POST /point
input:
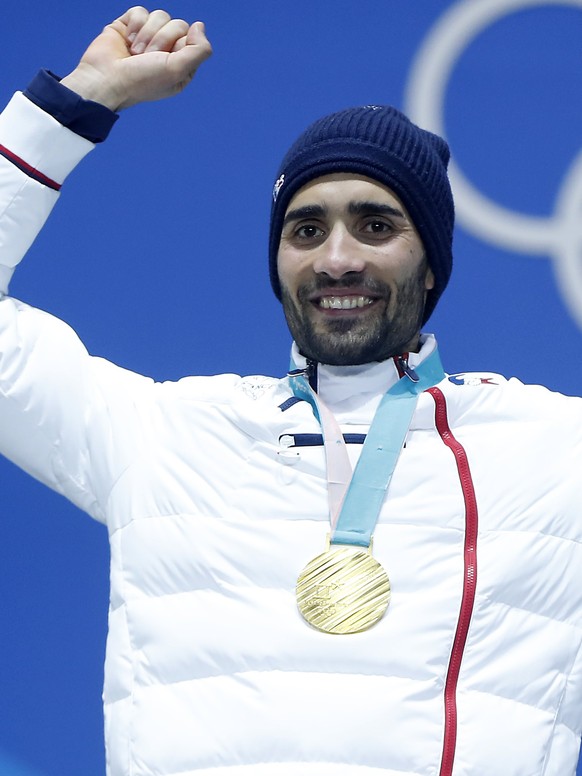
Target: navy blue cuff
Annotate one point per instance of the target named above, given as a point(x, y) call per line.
point(89, 119)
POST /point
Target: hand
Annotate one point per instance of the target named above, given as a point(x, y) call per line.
point(139, 57)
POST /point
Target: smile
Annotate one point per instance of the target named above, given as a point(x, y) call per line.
point(344, 302)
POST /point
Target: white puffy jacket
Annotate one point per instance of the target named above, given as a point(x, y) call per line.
point(214, 494)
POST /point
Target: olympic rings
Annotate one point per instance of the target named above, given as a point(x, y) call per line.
point(559, 235)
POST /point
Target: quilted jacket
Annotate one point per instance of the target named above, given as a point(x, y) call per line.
point(213, 491)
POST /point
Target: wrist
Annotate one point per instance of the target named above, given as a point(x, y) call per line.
point(86, 118)
point(90, 84)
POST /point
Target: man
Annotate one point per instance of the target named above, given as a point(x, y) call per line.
point(239, 641)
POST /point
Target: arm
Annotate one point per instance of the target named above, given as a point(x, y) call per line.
point(140, 56)
point(69, 419)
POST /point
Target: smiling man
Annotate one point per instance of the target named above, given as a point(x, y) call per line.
point(255, 628)
point(362, 217)
point(352, 272)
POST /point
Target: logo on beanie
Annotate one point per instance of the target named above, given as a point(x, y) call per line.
point(277, 187)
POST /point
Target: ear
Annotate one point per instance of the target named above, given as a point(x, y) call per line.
point(429, 279)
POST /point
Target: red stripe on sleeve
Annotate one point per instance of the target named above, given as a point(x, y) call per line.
point(32, 172)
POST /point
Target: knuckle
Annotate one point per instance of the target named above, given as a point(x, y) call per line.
point(137, 10)
point(160, 14)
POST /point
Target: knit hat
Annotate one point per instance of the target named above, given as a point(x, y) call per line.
point(383, 144)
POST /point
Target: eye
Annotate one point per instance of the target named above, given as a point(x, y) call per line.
point(376, 226)
point(308, 232)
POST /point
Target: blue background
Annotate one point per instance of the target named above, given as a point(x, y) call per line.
point(156, 255)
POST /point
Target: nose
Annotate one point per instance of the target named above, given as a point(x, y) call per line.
point(339, 254)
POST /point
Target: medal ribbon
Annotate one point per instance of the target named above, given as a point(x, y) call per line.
point(355, 499)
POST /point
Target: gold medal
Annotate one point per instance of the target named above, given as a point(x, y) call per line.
point(343, 590)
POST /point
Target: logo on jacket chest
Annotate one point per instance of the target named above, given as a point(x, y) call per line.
point(463, 378)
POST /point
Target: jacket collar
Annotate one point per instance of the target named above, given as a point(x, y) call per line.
point(355, 391)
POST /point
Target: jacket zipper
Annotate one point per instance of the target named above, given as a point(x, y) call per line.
point(469, 581)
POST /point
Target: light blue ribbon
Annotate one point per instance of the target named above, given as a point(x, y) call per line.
point(384, 441)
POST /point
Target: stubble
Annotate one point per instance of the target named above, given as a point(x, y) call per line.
point(390, 329)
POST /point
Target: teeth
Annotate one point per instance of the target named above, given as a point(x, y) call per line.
point(344, 302)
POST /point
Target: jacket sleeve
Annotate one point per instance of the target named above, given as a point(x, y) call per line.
point(58, 405)
point(36, 155)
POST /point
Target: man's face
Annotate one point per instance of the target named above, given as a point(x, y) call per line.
point(352, 270)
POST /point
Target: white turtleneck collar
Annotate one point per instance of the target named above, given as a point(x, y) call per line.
point(353, 393)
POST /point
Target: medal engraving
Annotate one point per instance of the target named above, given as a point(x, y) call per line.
point(343, 590)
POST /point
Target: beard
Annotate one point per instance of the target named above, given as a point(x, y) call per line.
point(378, 334)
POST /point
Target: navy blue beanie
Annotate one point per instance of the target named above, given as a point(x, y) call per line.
point(383, 144)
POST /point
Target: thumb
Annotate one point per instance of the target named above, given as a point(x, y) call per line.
point(197, 36)
point(188, 54)
point(195, 48)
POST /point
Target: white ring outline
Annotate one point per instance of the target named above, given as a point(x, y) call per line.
point(558, 235)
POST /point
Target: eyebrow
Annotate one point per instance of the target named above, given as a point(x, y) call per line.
point(307, 211)
point(364, 207)
point(369, 207)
